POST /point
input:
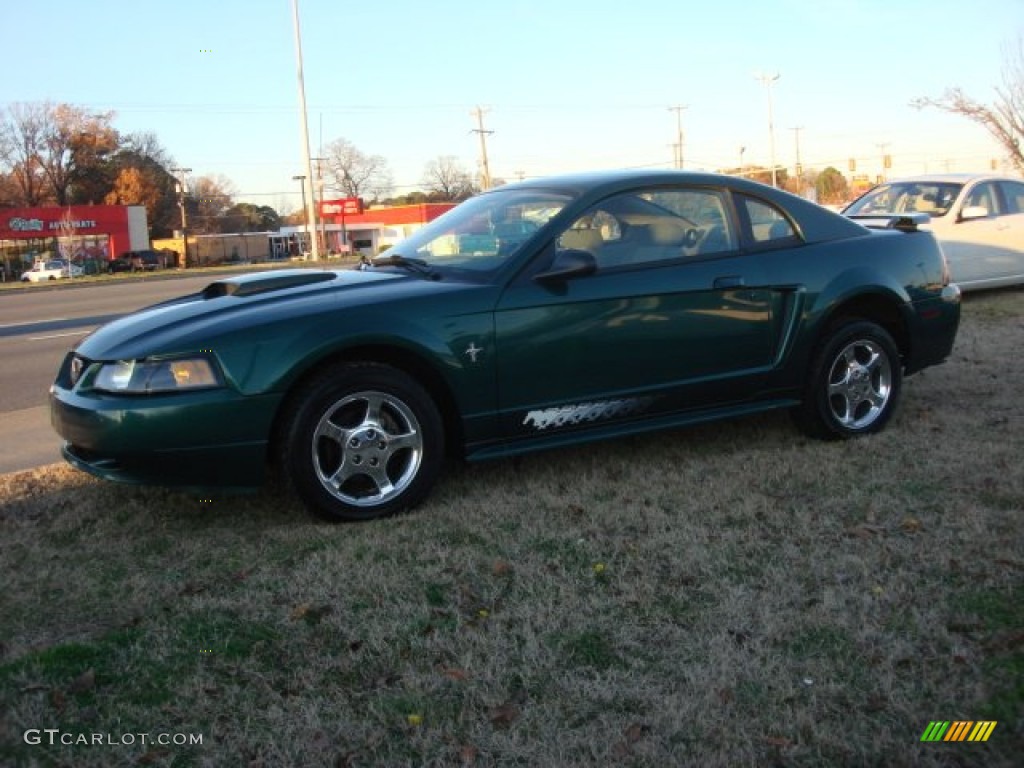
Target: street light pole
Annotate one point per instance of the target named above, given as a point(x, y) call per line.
point(767, 81)
point(184, 218)
point(310, 212)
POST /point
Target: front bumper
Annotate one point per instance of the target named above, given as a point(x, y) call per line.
point(200, 440)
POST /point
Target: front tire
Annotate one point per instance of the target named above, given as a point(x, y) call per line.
point(854, 383)
point(361, 441)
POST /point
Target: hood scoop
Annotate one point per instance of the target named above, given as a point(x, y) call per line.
point(251, 285)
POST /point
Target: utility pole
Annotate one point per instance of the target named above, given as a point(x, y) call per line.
point(485, 169)
point(180, 184)
point(678, 109)
point(767, 81)
point(799, 165)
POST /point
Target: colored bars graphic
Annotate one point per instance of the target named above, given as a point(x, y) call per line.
point(958, 730)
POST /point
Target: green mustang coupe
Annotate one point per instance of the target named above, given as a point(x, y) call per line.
point(538, 314)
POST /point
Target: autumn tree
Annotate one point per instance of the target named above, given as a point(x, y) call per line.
point(133, 187)
point(831, 187)
point(447, 180)
point(355, 173)
point(1003, 118)
point(73, 141)
point(143, 152)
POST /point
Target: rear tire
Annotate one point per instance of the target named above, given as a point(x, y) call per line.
point(361, 441)
point(854, 383)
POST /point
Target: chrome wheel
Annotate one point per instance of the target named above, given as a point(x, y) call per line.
point(853, 383)
point(367, 448)
point(859, 384)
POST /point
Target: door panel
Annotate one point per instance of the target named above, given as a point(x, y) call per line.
point(625, 342)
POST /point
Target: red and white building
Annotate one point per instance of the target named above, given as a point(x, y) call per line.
point(347, 227)
point(88, 234)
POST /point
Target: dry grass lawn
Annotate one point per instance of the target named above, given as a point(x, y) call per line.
point(732, 595)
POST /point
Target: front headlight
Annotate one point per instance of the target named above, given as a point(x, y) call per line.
point(146, 376)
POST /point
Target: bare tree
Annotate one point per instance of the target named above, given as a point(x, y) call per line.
point(21, 142)
point(1004, 117)
point(211, 197)
point(45, 147)
point(355, 173)
point(447, 179)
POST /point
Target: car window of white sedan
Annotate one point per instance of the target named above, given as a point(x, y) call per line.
point(1013, 193)
point(983, 196)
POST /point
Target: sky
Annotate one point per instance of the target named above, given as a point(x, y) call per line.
point(565, 85)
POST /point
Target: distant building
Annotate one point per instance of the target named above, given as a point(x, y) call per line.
point(91, 235)
point(368, 232)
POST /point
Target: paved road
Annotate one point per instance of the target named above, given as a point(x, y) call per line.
point(37, 328)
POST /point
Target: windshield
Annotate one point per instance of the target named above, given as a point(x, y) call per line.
point(933, 197)
point(482, 233)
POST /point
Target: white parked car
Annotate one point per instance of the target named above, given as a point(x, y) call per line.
point(978, 219)
point(51, 270)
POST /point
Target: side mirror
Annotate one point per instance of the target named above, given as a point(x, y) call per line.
point(972, 212)
point(568, 264)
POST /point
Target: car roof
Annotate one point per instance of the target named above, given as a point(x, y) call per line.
point(955, 178)
point(817, 223)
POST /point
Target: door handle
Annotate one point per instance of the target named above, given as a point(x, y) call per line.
point(728, 281)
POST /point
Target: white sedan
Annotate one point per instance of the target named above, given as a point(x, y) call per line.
point(978, 219)
point(50, 270)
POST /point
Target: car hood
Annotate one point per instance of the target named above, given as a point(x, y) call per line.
point(236, 308)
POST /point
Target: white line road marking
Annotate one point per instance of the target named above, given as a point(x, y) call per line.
point(33, 322)
point(59, 335)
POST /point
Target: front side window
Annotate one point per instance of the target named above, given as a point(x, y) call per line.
point(481, 234)
point(933, 198)
point(983, 196)
point(649, 226)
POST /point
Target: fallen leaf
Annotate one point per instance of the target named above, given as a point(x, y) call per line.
point(575, 510)
point(502, 568)
point(778, 741)
point(635, 732)
point(505, 715)
point(300, 611)
point(84, 682)
point(864, 531)
point(621, 750)
point(456, 674)
point(468, 754)
point(911, 525)
point(58, 700)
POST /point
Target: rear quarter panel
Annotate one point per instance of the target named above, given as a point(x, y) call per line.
point(903, 270)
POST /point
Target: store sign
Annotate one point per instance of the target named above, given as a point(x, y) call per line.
point(25, 225)
point(18, 224)
point(346, 206)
